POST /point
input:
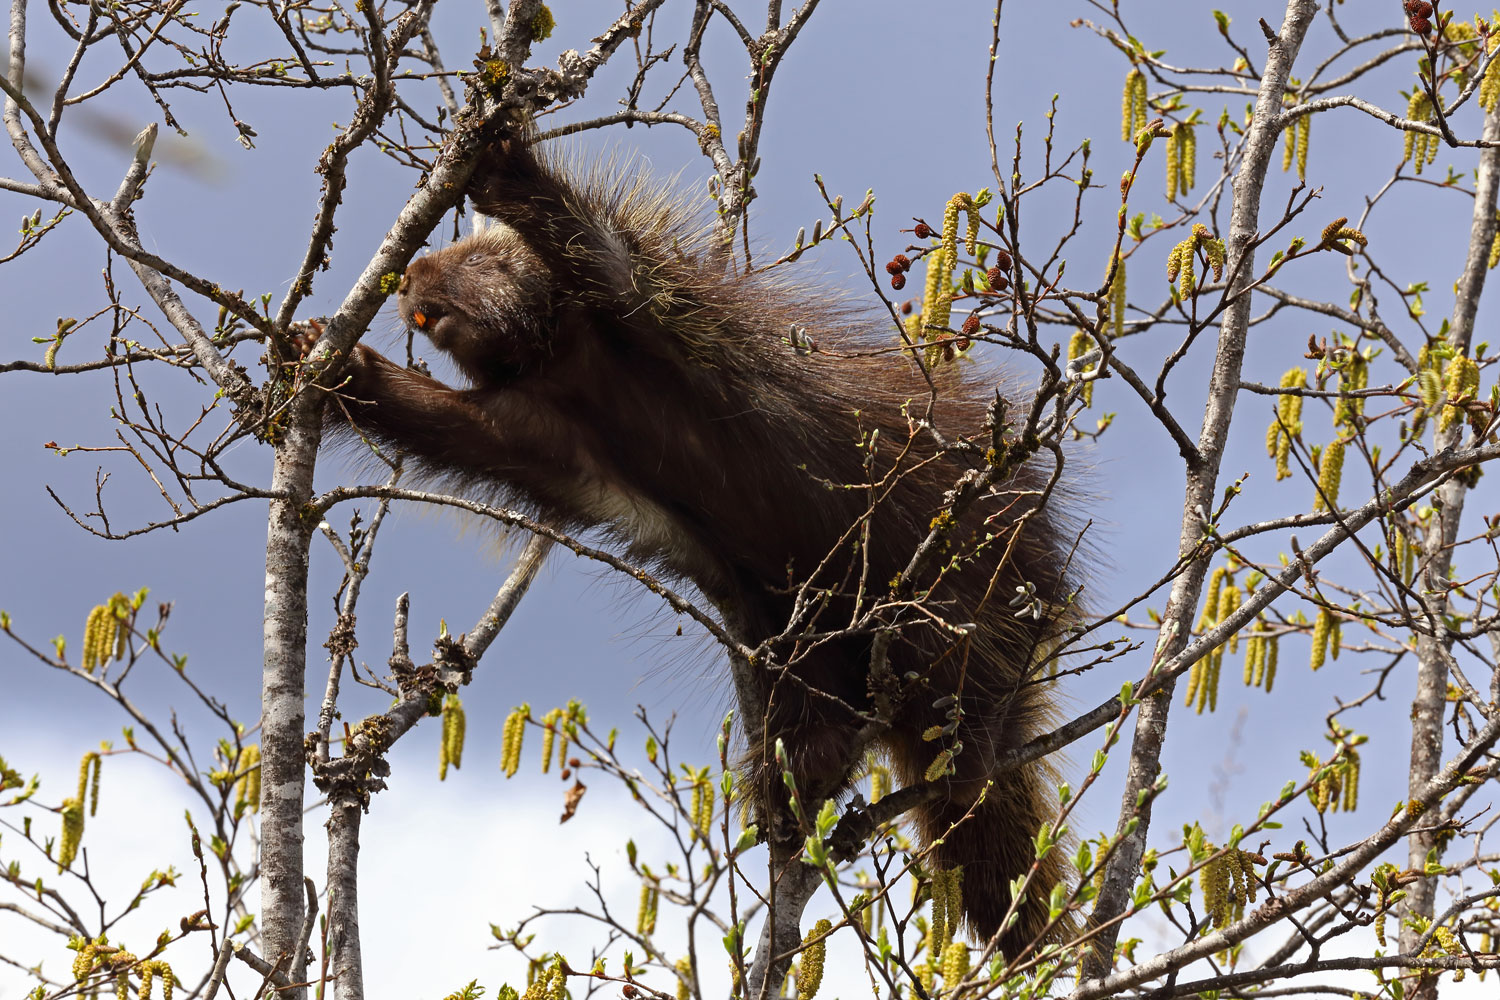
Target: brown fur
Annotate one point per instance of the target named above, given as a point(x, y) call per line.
point(620, 379)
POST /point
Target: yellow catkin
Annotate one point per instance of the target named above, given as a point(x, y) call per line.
point(1201, 672)
point(1195, 678)
point(512, 735)
point(105, 633)
point(1079, 345)
point(1188, 158)
point(1495, 245)
point(1174, 165)
point(938, 304)
point(1330, 474)
point(1489, 84)
point(1229, 603)
point(1117, 299)
point(810, 973)
point(247, 786)
point(955, 963)
point(1304, 127)
point(1351, 780)
point(84, 766)
point(1461, 382)
point(1288, 422)
point(1289, 144)
point(939, 767)
point(645, 921)
point(1335, 636)
point(1419, 147)
point(1211, 603)
point(550, 723)
point(149, 971)
point(880, 782)
point(684, 969)
point(1321, 626)
point(703, 806)
point(1133, 105)
point(950, 227)
point(72, 832)
point(92, 631)
point(573, 713)
point(1354, 376)
point(451, 745)
point(938, 931)
point(1210, 690)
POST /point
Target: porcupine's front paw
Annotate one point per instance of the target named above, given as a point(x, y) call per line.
point(305, 334)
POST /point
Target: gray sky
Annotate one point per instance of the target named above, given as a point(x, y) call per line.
point(875, 94)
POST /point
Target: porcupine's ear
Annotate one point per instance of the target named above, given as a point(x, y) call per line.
point(519, 185)
point(506, 177)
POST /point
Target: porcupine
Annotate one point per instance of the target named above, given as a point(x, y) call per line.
point(623, 377)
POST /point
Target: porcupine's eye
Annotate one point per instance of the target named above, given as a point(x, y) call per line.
point(475, 258)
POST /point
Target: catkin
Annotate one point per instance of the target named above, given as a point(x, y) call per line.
point(810, 973)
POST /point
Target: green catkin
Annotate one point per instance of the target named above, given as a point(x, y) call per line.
point(703, 806)
point(451, 744)
point(247, 788)
point(72, 833)
point(1304, 126)
point(1351, 780)
point(1210, 614)
point(550, 723)
point(1117, 299)
point(105, 632)
point(1330, 474)
point(645, 919)
point(1229, 603)
point(1203, 679)
point(149, 971)
point(1079, 345)
point(880, 782)
point(1354, 376)
point(1174, 165)
point(1321, 626)
point(1489, 84)
point(938, 931)
point(810, 973)
point(1289, 144)
point(512, 736)
point(1288, 422)
point(950, 229)
point(1182, 160)
point(1419, 147)
point(1133, 105)
point(938, 304)
point(1198, 675)
point(955, 963)
point(1189, 156)
point(1460, 382)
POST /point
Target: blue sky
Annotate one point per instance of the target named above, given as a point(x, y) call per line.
point(880, 95)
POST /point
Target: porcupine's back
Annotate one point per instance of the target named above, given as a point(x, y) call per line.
point(760, 450)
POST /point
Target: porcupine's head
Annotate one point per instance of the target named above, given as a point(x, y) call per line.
point(486, 301)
